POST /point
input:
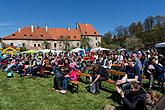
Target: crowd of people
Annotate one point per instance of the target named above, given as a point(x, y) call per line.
point(65, 66)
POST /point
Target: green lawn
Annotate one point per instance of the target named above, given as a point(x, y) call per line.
point(28, 94)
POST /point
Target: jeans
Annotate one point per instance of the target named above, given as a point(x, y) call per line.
point(65, 83)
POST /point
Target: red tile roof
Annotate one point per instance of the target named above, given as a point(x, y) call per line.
point(52, 33)
point(87, 29)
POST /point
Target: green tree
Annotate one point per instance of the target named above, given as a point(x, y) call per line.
point(46, 44)
point(134, 43)
point(85, 42)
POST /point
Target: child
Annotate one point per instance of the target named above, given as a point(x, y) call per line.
point(71, 76)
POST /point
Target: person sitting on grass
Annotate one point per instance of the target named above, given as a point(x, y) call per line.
point(71, 76)
point(135, 99)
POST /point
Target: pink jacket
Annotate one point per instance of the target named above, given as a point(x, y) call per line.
point(73, 75)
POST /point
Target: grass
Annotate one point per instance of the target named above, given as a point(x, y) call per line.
point(27, 94)
point(18, 93)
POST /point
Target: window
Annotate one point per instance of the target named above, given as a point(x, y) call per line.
point(68, 45)
point(96, 38)
point(96, 44)
point(60, 45)
point(94, 32)
point(13, 34)
point(34, 45)
point(78, 44)
point(11, 44)
point(74, 36)
point(69, 37)
point(39, 45)
point(85, 32)
point(61, 37)
point(24, 34)
point(31, 35)
point(41, 35)
point(54, 45)
point(23, 44)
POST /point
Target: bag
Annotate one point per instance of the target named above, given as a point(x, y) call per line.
point(93, 89)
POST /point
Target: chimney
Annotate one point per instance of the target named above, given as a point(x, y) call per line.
point(46, 28)
point(68, 28)
point(76, 25)
point(19, 29)
point(32, 28)
point(86, 23)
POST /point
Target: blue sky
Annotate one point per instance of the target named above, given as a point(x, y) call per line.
point(105, 15)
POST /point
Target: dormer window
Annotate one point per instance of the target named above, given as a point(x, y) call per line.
point(94, 32)
point(85, 32)
point(31, 35)
point(69, 37)
point(74, 36)
point(61, 37)
point(13, 34)
point(24, 34)
point(41, 35)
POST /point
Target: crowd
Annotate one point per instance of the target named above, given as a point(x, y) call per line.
point(65, 65)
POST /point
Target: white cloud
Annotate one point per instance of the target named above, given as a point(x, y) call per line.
point(6, 24)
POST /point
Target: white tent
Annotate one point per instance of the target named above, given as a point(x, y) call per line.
point(77, 50)
point(160, 45)
point(45, 51)
point(99, 48)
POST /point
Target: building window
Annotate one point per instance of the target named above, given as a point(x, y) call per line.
point(24, 34)
point(74, 36)
point(60, 45)
point(94, 32)
point(85, 32)
point(96, 38)
point(11, 44)
point(31, 35)
point(69, 37)
point(78, 44)
point(96, 44)
point(54, 45)
point(41, 35)
point(23, 44)
point(13, 34)
point(34, 45)
point(39, 45)
point(61, 37)
point(68, 45)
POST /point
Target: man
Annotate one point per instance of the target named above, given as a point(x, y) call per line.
point(99, 74)
point(135, 99)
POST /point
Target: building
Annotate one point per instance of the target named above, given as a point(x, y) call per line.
point(54, 38)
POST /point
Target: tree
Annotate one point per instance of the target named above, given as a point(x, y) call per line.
point(65, 41)
point(121, 31)
point(46, 44)
point(148, 23)
point(85, 42)
point(134, 43)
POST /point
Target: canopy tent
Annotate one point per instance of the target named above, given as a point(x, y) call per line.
point(77, 50)
point(29, 51)
point(121, 49)
point(46, 51)
point(160, 45)
point(99, 48)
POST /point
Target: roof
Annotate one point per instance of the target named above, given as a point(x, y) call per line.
point(87, 29)
point(40, 33)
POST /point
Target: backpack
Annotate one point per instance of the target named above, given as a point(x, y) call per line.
point(92, 89)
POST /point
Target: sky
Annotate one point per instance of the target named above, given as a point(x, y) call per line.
point(104, 15)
